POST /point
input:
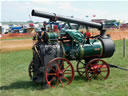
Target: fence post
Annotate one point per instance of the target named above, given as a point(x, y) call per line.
point(124, 47)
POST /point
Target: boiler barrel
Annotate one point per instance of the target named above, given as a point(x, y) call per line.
point(65, 19)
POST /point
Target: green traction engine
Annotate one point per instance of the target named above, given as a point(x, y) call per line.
point(53, 56)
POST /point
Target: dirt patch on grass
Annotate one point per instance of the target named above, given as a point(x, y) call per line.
point(116, 34)
point(14, 45)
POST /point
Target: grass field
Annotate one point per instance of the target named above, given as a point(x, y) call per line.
point(14, 79)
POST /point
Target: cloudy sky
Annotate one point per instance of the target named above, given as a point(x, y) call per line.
point(19, 10)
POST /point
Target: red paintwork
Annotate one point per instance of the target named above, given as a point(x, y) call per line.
point(59, 74)
point(88, 34)
point(94, 68)
point(55, 28)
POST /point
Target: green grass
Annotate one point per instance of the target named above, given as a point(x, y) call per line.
point(14, 79)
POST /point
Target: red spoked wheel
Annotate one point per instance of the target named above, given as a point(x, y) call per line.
point(98, 69)
point(59, 70)
point(80, 67)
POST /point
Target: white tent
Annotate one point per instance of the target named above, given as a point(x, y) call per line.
point(5, 29)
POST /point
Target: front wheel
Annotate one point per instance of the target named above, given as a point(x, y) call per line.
point(98, 69)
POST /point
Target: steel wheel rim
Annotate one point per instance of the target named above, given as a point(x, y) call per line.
point(95, 71)
point(30, 70)
point(59, 74)
point(79, 68)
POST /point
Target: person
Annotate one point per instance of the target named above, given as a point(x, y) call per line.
point(37, 36)
point(44, 26)
point(49, 29)
point(56, 28)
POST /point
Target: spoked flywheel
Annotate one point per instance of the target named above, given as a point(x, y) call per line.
point(80, 67)
point(98, 69)
point(59, 70)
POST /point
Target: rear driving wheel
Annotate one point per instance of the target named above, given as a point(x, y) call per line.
point(98, 69)
point(59, 70)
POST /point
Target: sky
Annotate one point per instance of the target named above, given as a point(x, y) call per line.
point(20, 10)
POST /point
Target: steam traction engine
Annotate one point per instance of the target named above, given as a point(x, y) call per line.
point(51, 63)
